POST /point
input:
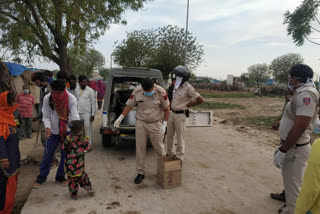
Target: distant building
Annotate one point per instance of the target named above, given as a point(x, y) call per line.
point(230, 79)
point(269, 82)
point(205, 80)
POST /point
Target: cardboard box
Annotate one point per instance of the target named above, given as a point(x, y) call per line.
point(169, 172)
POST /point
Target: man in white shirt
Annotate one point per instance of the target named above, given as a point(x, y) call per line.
point(59, 108)
point(86, 104)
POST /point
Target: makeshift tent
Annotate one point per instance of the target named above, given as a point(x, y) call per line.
point(12, 78)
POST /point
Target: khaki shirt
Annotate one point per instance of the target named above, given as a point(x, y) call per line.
point(303, 103)
point(149, 109)
point(182, 96)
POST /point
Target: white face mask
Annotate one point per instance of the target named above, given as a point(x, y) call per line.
point(178, 82)
point(291, 87)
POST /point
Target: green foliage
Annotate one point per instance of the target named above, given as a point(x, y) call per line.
point(47, 27)
point(280, 66)
point(264, 121)
point(258, 73)
point(162, 48)
point(244, 77)
point(299, 22)
point(218, 105)
point(84, 63)
point(228, 95)
point(104, 72)
point(193, 77)
point(136, 50)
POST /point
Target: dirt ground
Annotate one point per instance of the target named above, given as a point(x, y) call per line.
point(232, 187)
point(267, 106)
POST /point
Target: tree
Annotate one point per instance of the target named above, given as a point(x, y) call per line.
point(46, 28)
point(258, 73)
point(245, 79)
point(162, 48)
point(136, 50)
point(301, 20)
point(280, 66)
point(104, 72)
point(85, 63)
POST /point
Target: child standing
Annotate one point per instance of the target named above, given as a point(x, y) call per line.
point(25, 101)
point(74, 147)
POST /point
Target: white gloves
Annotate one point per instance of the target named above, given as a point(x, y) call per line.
point(163, 127)
point(278, 158)
point(118, 121)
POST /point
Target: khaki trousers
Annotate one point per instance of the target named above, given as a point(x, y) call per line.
point(87, 124)
point(143, 130)
point(176, 125)
point(293, 168)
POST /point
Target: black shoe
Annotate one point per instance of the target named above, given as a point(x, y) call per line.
point(39, 182)
point(60, 178)
point(279, 196)
point(139, 179)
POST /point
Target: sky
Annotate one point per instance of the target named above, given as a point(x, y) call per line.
point(235, 33)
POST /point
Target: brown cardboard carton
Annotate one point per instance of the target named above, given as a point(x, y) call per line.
point(169, 172)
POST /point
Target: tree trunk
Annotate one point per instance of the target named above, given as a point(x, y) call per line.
point(64, 63)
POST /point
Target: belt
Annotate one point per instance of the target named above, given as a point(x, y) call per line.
point(297, 145)
point(178, 112)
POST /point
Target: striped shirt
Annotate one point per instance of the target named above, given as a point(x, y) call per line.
point(25, 101)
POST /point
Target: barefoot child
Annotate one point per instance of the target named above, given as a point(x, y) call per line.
point(74, 147)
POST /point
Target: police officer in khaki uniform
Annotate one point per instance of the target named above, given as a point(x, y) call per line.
point(152, 101)
point(181, 95)
point(296, 125)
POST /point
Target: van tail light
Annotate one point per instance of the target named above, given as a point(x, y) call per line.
point(109, 131)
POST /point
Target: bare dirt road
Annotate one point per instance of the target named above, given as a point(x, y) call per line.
point(228, 169)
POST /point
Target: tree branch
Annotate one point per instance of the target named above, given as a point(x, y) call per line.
point(11, 16)
point(314, 28)
point(317, 19)
point(311, 41)
point(39, 31)
point(43, 15)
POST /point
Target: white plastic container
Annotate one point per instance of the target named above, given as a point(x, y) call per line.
point(104, 119)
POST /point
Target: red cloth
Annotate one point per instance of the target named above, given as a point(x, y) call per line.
point(61, 106)
point(92, 84)
point(10, 194)
point(25, 101)
point(6, 115)
point(101, 88)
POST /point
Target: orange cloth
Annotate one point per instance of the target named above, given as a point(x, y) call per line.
point(6, 115)
point(10, 194)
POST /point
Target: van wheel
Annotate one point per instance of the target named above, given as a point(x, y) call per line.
point(106, 140)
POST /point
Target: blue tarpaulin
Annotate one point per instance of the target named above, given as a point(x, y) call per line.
point(16, 69)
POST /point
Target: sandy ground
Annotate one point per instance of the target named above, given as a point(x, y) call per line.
point(253, 107)
point(228, 169)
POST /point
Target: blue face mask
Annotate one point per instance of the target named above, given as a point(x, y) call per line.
point(149, 94)
point(50, 80)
